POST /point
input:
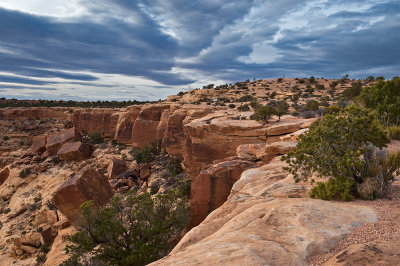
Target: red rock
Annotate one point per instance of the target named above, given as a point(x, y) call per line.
point(87, 184)
point(39, 144)
point(162, 126)
point(212, 186)
point(4, 175)
point(101, 120)
point(115, 168)
point(126, 120)
point(52, 217)
point(174, 137)
point(28, 249)
point(56, 140)
point(46, 236)
point(144, 170)
point(145, 128)
point(61, 224)
point(74, 151)
point(213, 138)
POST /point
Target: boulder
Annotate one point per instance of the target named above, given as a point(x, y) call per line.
point(144, 170)
point(212, 186)
point(4, 174)
point(46, 236)
point(56, 140)
point(74, 151)
point(28, 249)
point(243, 152)
point(87, 184)
point(39, 144)
point(116, 167)
point(277, 148)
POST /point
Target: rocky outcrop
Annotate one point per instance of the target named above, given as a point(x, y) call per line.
point(39, 144)
point(289, 125)
point(126, 120)
point(212, 186)
point(101, 120)
point(145, 128)
point(88, 184)
point(74, 151)
point(267, 221)
point(174, 138)
point(214, 137)
point(56, 140)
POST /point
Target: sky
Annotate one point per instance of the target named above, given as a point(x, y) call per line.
point(147, 50)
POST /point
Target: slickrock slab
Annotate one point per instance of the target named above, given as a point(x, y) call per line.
point(256, 227)
point(88, 184)
point(74, 151)
point(289, 126)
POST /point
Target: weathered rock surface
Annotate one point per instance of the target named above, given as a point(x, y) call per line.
point(174, 138)
point(213, 138)
point(39, 144)
point(261, 224)
point(116, 167)
point(373, 253)
point(88, 184)
point(288, 126)
point(145, 128)
point(56, 140)
point(91, 120)
point(212, 186)
point(74, 151)
point(126, 120)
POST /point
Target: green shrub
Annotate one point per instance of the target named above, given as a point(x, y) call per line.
point(144, 155)
point(6, 137)
point(338, 189)
point(113, 142)
point(96, 138)
point(263, 113)
point(243, 108)
point(384, 97)
point(25, 172)
point(334, 144)
point(394, 132)
point(154, 188)
point(175, 165)
point(128, 231)
point(352, 92)
point(312, 105)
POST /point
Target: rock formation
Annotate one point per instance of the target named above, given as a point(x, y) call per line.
point(88, 184)
point(74, 151)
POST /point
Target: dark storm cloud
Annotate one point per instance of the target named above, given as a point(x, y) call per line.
point(178, 42)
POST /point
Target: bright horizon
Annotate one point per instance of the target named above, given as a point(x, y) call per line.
point(121, 50)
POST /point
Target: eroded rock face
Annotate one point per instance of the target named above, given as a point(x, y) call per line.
point(262, 224)
point(288, 126)
point(74, 151)
point(56, 140)
point(174, 138)
point(101, 120)
point(126, 120)
point(33, 112)
point(145, 128)
point(39, 144)
point(213, 138)
point(212, 186)
point(88, 184)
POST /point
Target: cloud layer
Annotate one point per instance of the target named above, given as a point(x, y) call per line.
point(144, 50)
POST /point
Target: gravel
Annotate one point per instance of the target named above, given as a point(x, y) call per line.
point(385, 228)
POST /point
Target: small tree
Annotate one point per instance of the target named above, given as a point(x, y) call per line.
point(96, 138)
point(334, 144)
point(281, 108)
point(312, 105)
point(263, 113)
point(129, 231)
